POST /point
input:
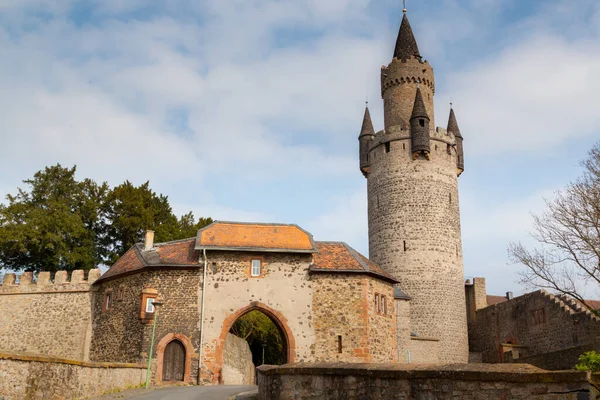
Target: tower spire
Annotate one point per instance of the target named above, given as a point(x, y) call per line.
point(406, 44)
point(419, 127)
point(367, 125)
point(454, 129)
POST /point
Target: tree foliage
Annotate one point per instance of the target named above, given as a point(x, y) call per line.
point(59, 223)
point(258, 330)
point(568, 233)
point(589, 361)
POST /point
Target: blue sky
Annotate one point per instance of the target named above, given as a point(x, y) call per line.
point(250, 109)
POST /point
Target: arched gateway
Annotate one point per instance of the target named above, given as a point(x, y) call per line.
point(278, 319)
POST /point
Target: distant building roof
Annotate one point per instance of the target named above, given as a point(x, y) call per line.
point(339, 257)
point(241, 236)
point(491, 300)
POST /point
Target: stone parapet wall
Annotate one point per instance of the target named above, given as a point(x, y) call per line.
point(43, 282)
point(553, 361)
point(25, 376)
point(403, 382)
point(45, 316)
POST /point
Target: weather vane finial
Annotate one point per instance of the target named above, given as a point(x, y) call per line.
point(404, 6)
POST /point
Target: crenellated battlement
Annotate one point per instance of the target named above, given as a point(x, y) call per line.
point(42, 283)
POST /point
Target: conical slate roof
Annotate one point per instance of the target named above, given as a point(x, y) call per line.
point(419, 110)
point(406, 45)
point(453, 125)
point(367, 125)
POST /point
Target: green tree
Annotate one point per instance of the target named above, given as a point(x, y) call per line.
point(56, 224)
point(568, 233)
point(130, 211)
point(188, 227)
point(258, 330)
point(589, 361)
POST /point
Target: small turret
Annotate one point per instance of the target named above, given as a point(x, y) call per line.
point(406, 44)
point(419, 127)
point(453, 127)
point(367, 133)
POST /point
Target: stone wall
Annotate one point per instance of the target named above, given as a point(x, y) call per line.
point(424, 350)
point(122, 335)
point(553, 361)
point(366, 336)
point(44, 316)
point(238, 368)
point(29, 377)
point(403, 342)
point(405, 382)
point(536, 323)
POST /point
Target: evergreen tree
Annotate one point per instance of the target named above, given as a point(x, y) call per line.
point(55, 225)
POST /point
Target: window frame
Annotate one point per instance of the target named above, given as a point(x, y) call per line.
point(252, 265)
point(376, 303)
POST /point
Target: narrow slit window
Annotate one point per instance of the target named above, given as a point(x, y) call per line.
point(339, 344)
point(405, 246)
point(255, 268)
point(383, 305)
point(403, 146)
point(107, 301)
point(387, 147)
point(376, 303)
point(450, 198)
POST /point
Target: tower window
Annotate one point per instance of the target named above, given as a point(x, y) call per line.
point(405, 246)
point(422, 122)
point(450, 198)
point(403, 146)
point(340, 344)
point(387, 147)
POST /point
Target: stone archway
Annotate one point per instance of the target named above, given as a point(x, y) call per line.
point(274, 315)
point(160, 356)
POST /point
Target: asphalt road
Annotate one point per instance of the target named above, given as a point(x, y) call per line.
point(184, 393)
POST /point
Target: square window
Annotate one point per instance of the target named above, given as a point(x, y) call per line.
point(255, 268)
point(149, 305)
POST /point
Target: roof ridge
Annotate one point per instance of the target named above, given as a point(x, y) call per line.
point(357, 257)
point(173, 241)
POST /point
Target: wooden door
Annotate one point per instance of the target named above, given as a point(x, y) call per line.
point(174, 361)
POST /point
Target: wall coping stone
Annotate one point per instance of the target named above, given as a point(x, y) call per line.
point(56, 360)
point(520, 373)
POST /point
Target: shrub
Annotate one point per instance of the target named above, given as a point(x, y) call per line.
point(589, 361)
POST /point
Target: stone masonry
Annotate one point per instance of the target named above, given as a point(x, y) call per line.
point(529, 327)
point(337, 381)
point(44, 316)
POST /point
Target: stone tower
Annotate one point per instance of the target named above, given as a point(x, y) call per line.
point(412, 172)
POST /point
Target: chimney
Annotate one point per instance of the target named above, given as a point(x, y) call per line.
point(149, 240)
point(509, 295)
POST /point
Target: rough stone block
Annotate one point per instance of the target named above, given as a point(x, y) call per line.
point(77, 276)
point(60, 277)
point(44, 279)
point(26, 279)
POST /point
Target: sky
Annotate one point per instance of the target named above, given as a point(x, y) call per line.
point(249, 110)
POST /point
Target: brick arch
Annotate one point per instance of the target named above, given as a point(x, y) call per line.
point(160, 353)
point(228, 322)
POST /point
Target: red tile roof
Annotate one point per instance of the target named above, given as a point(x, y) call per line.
point(179, 253)
point(254, 237)
point(339, 257)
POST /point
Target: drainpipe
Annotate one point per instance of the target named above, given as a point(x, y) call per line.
point(202, 316)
